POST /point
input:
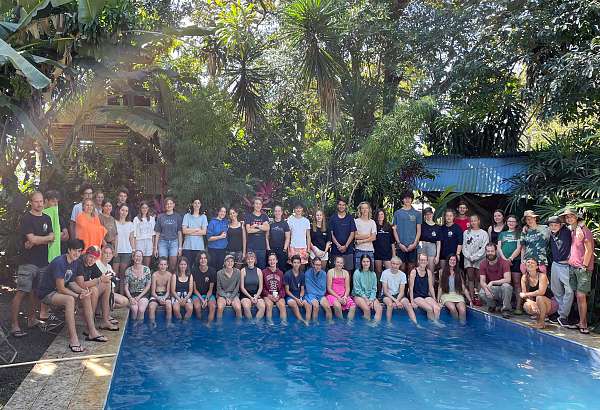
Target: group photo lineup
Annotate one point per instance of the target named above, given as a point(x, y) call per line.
point(299, 204)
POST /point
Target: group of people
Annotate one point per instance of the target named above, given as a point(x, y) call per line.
point(253, 263)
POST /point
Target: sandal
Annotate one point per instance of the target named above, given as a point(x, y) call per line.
point(113, 320)
point(110, 329)
point(76, 348)
point(18, 333)
point(99, 339)
point(584, 330)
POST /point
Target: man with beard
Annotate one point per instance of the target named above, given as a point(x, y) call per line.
point(495, 278)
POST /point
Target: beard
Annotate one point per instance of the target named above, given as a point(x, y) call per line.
point(490, 257)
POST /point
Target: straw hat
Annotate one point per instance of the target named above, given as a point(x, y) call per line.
point(571, 211)
point(529, 213)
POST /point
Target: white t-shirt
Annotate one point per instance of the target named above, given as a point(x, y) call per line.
point(123, 232)
point(144, 229)
point(77, 209)
point(298, 228)
point(365, 228)
point(393, 280)
point(104, 268)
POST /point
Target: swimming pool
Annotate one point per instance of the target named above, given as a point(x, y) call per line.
point(488, 364)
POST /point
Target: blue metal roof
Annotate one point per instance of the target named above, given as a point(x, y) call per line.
point(472, 175)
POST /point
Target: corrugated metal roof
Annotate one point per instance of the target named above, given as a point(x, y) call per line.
point(472, 175)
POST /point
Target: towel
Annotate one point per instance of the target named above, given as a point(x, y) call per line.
point(54, 246)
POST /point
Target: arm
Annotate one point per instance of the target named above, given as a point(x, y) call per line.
point(347, 284)
point(543, 285)
point(260, 285)
point(179, 242)
point(62, 289)
point(219, 286)
point(417, 237)
point(505, 279)
point(589, 251)
point(173, 284)
point(288, 236)
point(516, 253)
point(243, 240)
point(190, 288)
point(350, 239)
point(458, 251)
point(210, 290)
point(430, 277)
point(40, 240)
point(499, 249)
point(400, 293)
point(288, 293)
point(132, 240)
point(356, 285)
point(64, 235)
point(395, 232)
point(265, 227)
point(86, 284)
point(438, 249)
point(153, 287)
point(155, 244)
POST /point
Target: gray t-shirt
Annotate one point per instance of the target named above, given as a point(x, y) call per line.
point(168, 226)
point(194, 242)
point(406, 221)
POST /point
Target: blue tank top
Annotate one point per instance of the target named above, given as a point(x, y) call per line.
point(251, 280)
point(421, 286)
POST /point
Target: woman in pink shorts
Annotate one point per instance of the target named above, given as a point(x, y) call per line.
point(338, 289)
point(539, 300)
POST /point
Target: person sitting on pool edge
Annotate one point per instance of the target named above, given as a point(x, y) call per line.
point(539, 300)
point(294, 282)
point(273, 289)
point(495, 281)
point(451, 286)
point(53, 289)
point(421, 291)
point(182, 288)
point(338, 289)
point(364, 289)
point(228, 288)
point(315, 280)
point(160, 289)
point(394, 285)
point(205, 286)
point(137, 286)
point(251, 287)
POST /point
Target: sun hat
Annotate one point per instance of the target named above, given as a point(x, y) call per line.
point(529, 213)
point(571, 211)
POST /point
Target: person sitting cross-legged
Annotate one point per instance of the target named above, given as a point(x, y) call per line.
point(495, 279)
point(53, 289)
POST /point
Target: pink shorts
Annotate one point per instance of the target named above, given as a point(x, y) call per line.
point(302, 252)
point(350, 303)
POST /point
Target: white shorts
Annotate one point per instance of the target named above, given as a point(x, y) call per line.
point(144, 245)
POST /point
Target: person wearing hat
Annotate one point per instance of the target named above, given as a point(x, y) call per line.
point(430, 239)
point(581, 263)
point(228, 287)
point(90, 277)
point(534, 241)
point(560, 249)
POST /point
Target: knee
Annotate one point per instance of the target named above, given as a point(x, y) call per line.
point(581, 297)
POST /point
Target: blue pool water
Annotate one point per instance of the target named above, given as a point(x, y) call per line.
point(488, 364)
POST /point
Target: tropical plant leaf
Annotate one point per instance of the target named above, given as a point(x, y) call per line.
point(20, 63)
point(41, 5)
point(141, 120)
point(7, 28)
point(89, 10)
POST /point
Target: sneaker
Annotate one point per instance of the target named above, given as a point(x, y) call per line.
point(553, 319)
point(563, 322)
point(506, 314)
point(518, 312)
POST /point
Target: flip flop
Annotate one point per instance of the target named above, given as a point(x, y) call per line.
point(99, 339)
point(584, 330)
point(110, 329)
point(113, 320)
point(18, 333)
point(76, 348)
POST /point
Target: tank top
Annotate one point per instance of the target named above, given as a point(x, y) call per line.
point(495, 235)
point(251, 280)
point(182, 287)
point(234, 238)
point(535, 288)
point(421, 286)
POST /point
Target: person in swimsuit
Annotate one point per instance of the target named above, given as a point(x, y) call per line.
point(294, 281)
point(539, 300)
point(205, 284)
point(273, 289)
point(315, 280)
point(452, 290)
point(236, 238)
point(228, 288)
point(421, 290)
point(251, 286)
point(338, 289)
point(137, 286)
point(365, 289)
point(182, 287)
point(394, 283)
point(160, 291)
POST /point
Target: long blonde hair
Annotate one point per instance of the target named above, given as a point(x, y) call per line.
point(358, 212)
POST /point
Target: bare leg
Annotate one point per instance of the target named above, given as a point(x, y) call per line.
point(462, 312)
point(69, 304)
point(389, 308)
point(337, 308)
point(221, 303)
point(189, 309)
point(516, 280)
point(282, 310)
point(142, 308)
point(269, 309)
point(260, 309)
point(327, 308)
point(177, 310)
point(212, 307)
point(247, 305)
point(422, 304)
point(197, 308)
point(362, 305)
point(582, 307)
point(294, 306)
point(409, 310)
point(237, 307)
point(351, 313)
point(172, 263)
point(451, 306)
point(88, 317)
point(152, 311)
point(378, 310)
point(15, 307)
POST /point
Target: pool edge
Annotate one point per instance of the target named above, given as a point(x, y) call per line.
point(115, 359)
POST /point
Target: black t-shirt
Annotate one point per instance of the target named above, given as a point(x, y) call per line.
point(202, 280)
point(63, 225)
point(560, 244)
point(319, 238)
point(383, 243)
point(277, 234)
point(451, 237)
point(88, 272)
point(39, 226)
point(256, 241)
point(430, 233)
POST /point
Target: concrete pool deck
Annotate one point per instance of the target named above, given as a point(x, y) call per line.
point(71, 384)
point(84, 384)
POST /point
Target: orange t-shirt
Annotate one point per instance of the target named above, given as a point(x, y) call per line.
point(89, 230)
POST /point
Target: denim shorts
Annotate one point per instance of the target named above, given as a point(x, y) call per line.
point(168, 247)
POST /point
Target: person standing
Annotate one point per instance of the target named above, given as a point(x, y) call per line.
point(383, 245)
point(88, 226)
point(257, 229)
point(35, 234)
point(509, 248)
point(110, 224)
point(366, 234)
point(407, 232)
point(581, 263)
point(342, 230)
point(168, 240)
point(143, 232)
point(98, 201)
point(534, 241)
point(193, 228)
point(474, 241)
point(60, 227)
point(560, 249)
point(299, 235)
point(86, 192)
point(497, 227)
point(236, 238)
point(217, 239)
point(451, 239)
point(279, 237)
point(125, 233)
point(430, 239)
point(123, 199)
point(495, 279)
point(320, 238)
point(462, 219)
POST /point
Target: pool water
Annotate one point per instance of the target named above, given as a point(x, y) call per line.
point(487, 364)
